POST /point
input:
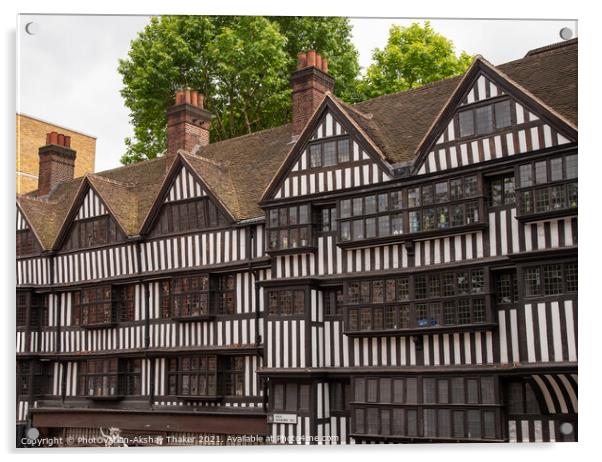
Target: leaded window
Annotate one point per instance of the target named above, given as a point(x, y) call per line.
point(328, 153)
point(290, 227)
point(484, 119)
point(548, 185)
point(286, 302)
point(437, 206)
point(427, 407)
point(550, 279)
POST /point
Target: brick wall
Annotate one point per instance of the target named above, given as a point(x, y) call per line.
point(31, 135)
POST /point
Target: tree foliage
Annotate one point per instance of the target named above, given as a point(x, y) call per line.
point(242, 64)
point(413, 56)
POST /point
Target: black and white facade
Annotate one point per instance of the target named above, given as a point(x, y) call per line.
point(373, 299)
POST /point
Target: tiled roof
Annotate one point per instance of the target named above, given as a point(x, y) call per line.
point(238, 170)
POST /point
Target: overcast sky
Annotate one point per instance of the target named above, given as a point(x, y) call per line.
point(68, 68)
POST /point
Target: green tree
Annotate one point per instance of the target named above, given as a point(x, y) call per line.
point(413, 56)
point(241, 64)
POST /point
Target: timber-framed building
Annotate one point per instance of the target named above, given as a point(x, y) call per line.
point(399, 270)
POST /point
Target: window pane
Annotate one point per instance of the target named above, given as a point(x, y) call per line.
point(358, 229)
point(429, 389)
point(509, 190)
point(397, 224)
point(345, 231)
point(343, 146)
point(470, 186)
point(443, 217)
point(412, 391)
point(428, 219)
point(571, 191)
point(457, 218)
point(502, 114)
point(484, 120)
point(414, 222)
point(532, 282)
point(304, 214)
point(466, 122)
point(345, 208)
point(441, 192)
point(414, 197)
point(329, 153)
point(527, 202)
point(383, 226)
point(556, 169)
point(370, 205)
point(427, 195)
point(541, 172)
point(315, 155)
point(357, 206)
point(383, 203)
point(396, 200)
point(557, 197)
point(495, 192)
point(571, 166)
point(526, 175)
point(455, 187)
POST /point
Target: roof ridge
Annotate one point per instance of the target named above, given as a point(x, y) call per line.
point(434, 83)
point(551, 47)
point(96, 176)
point(244, 136)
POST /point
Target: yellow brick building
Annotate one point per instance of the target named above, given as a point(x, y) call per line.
point(31, 135)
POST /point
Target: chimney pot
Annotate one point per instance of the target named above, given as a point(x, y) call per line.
point(311, 58)
point(318, 61)
point(301, 60)
point(201, 100)
point(53, 138)
point(67, 141)
point(194, 98)
point(187, 96)
point(60, 139)
point(325, 65)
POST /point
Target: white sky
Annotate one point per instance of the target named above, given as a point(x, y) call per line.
point(68, 69)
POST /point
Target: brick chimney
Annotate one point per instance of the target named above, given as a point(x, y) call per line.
point(187, 122)
point(57, 162)
point(310, 83)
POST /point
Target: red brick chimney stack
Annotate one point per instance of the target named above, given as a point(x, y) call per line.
point(188, 122)
point(310, 83)
point(57, 162)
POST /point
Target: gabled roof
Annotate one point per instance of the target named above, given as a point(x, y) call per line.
point(238, 170)
point(398, 122)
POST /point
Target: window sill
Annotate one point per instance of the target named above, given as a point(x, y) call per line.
point(292, 251)
point(202, 317)
point(412, 236)
point(422, 439)
point(204, 398)
point(421, 330)
point(98, 326)
point(529, 217)
point(105, 398)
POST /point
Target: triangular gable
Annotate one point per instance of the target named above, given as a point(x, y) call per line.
point(22, 223)
point(91, 206)
point(184, 186)
point(296, 176)
point(534, 125)
point(182, 183)
point(87, 204)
